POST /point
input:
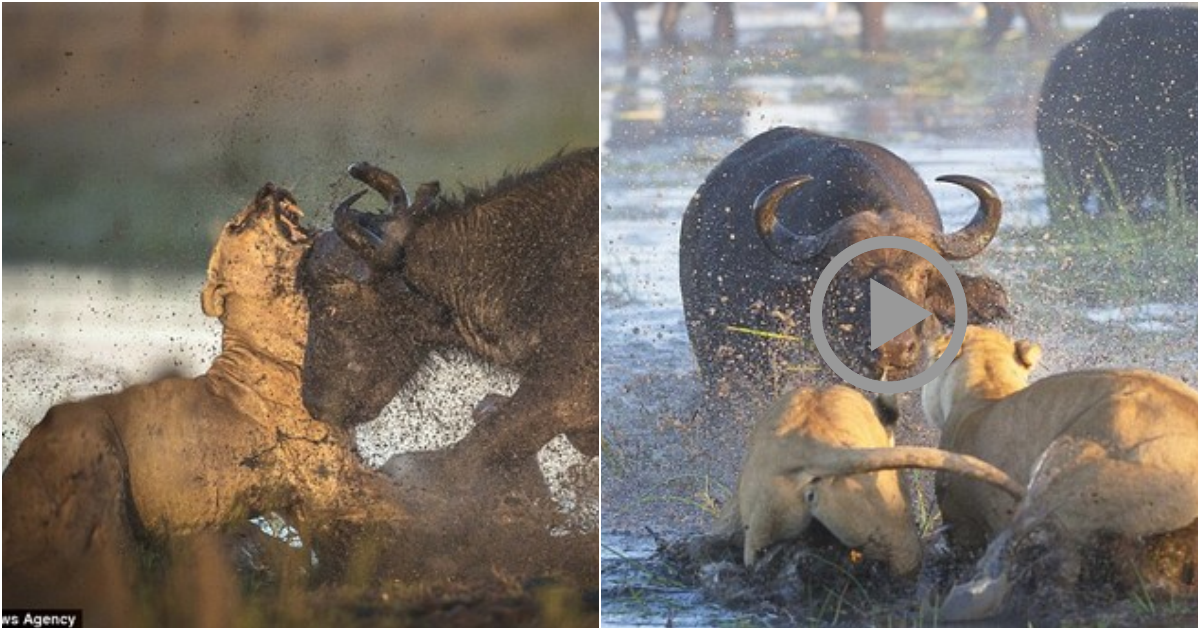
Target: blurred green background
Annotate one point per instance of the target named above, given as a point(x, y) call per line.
point(132, 132)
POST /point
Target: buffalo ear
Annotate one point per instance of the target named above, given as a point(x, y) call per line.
point(1028, 353)
point(987, 300)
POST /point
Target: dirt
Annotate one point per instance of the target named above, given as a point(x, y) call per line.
point(1105, 295)
point(244, 577)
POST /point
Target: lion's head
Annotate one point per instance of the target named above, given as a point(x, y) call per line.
point(989, 365)
point(252, 276)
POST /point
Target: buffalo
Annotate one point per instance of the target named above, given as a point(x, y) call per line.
point(1116, 120)
point(509, 273)
point(767, 221)
point(1104, 452)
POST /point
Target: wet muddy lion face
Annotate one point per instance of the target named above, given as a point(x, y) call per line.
point(252, 276)
point(826, 455)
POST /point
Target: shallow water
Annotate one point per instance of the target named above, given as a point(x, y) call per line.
point(660, 477)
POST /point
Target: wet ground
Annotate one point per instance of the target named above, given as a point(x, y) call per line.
point(1114, 295)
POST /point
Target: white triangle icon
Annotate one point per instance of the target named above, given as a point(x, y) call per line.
point(891, 314)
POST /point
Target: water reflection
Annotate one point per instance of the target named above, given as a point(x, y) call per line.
point(710, 98)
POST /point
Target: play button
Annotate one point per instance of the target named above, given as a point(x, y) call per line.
point(891, 314)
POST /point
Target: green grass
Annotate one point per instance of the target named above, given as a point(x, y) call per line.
point(1118, 258)
point(928, 515)
point(704, 497)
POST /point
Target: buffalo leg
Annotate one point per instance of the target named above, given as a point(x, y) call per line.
point(668, 24)
point(627, 14)
point(503, 445)
point(873, 38)
point(724, 33)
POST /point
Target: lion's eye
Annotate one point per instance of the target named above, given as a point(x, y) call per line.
point(810, 494)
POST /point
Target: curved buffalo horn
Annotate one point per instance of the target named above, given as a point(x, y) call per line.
point(783, 242)
point(971, 240)
point(853, 461)
point(355, 234)
point(382, 247)
point(387, 185)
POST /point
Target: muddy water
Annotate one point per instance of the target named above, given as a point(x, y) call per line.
point(665, 123)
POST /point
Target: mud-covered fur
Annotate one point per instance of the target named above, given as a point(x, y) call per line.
point(1103, 452)
point(869, 511)
point(825, 456)
point(509, 272)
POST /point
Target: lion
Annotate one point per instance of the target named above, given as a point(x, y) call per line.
point(97, 477)
point(825, 455)
point(1102, 453)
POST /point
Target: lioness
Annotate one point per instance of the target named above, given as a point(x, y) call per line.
point(1108, 452)
point(96, 477)
point(825, 455)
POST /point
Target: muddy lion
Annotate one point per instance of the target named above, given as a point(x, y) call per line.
point(96, 478)
point(825, 455)
point(1103, 453)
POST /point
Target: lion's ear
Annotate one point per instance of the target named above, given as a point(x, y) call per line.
point(212, 298)
point(1028, 353)
point(937, 347)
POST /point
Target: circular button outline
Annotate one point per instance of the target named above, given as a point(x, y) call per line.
point(817, 319)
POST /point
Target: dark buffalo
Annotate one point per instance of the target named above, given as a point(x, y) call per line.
point(1117, 115)
point(509, 273)
point(767, 221)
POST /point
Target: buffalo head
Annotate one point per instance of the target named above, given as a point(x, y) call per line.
point(847, 310)
point(368, 333)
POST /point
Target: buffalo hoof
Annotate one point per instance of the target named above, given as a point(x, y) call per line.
point(978, 599)
point(984, 596)
point(426, 471)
